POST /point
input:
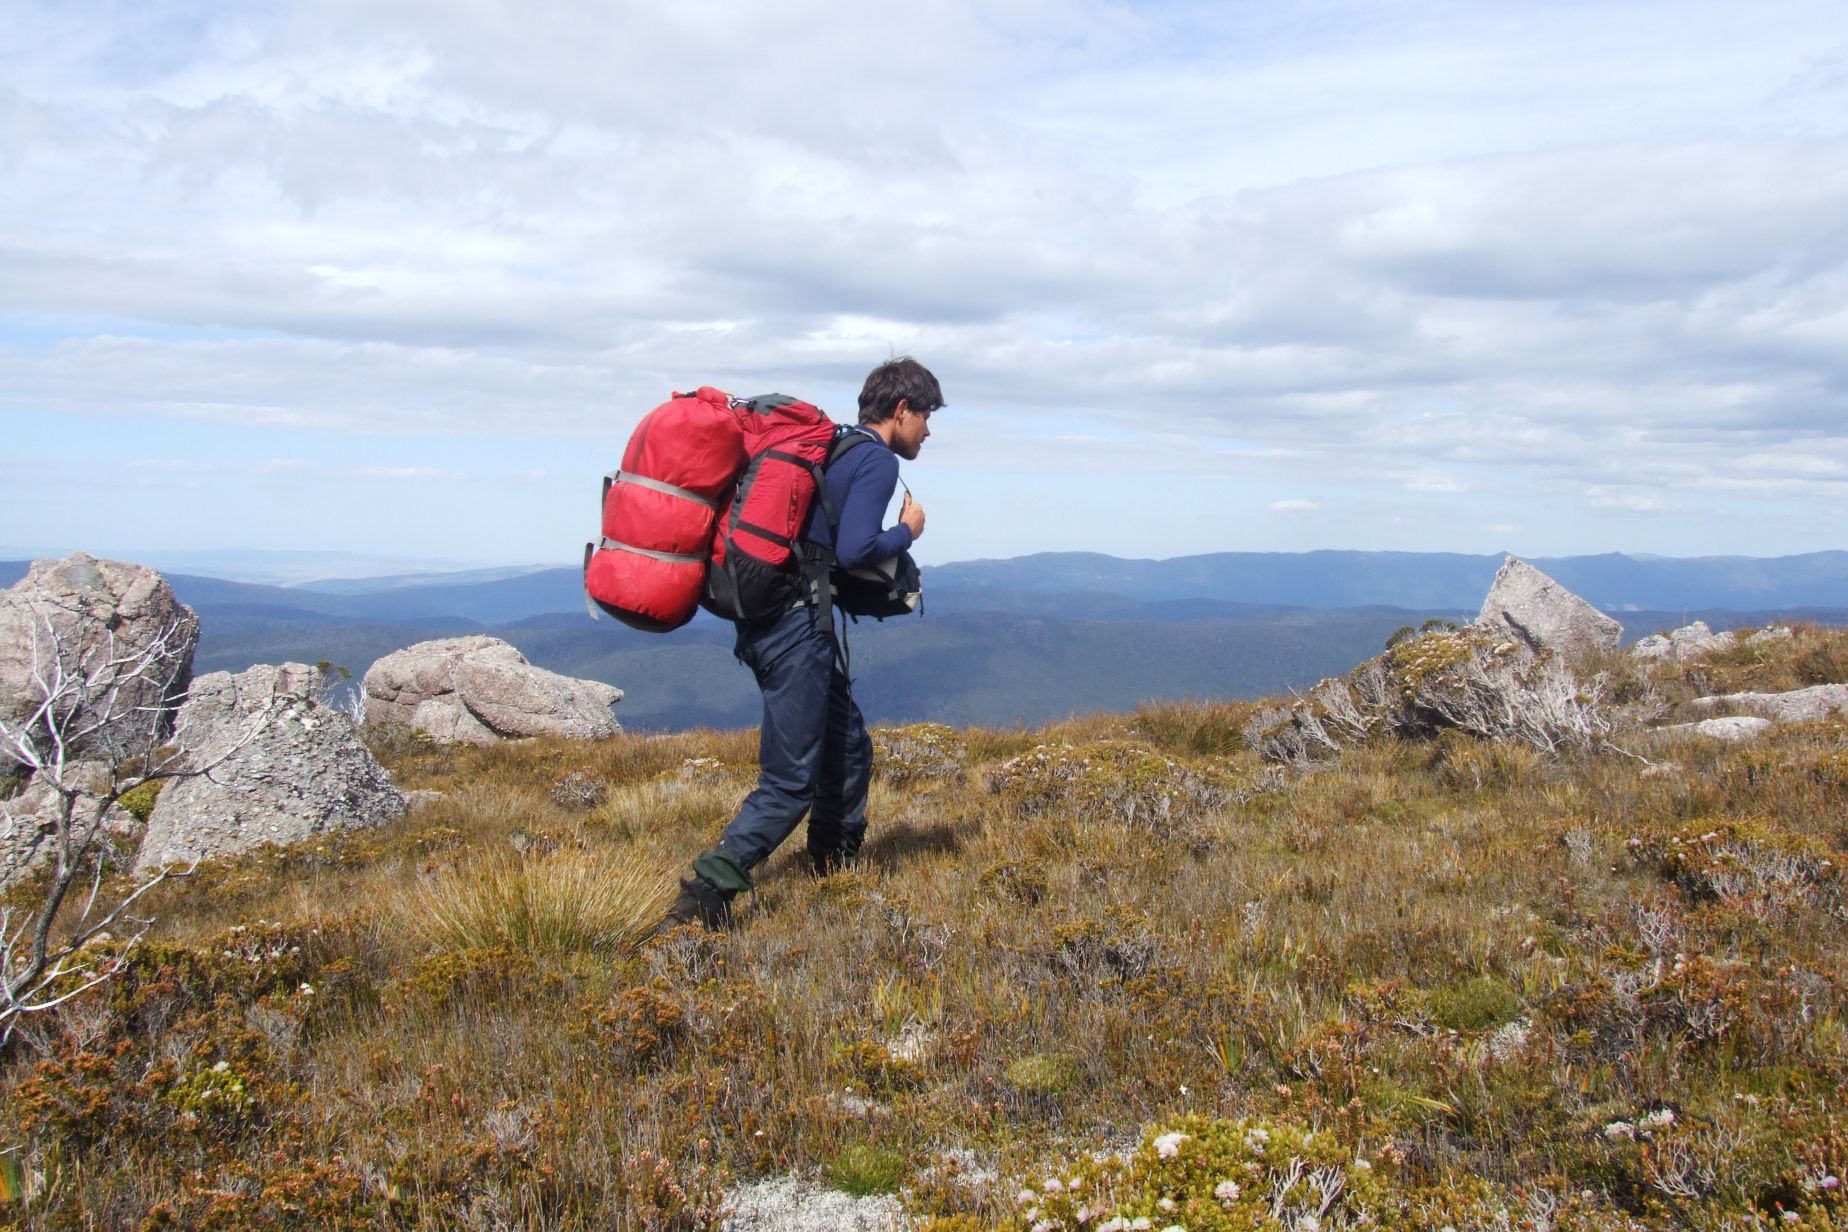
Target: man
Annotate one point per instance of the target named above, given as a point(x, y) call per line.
point(814, 755)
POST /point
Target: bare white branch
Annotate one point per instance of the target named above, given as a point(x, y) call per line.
point(95, 730)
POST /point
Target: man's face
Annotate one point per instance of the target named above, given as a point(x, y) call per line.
point(911, 430)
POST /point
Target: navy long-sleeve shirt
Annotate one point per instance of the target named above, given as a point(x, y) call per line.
point(860, 484)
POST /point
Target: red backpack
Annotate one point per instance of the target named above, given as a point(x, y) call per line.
point(708, 509)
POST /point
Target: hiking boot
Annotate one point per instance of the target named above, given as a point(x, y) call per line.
point(699, 901)
point(828, 863)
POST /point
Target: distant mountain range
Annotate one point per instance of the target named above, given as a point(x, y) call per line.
point(1001, 641)
point(1614, 582)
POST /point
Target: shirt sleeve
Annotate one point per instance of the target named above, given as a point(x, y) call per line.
point(870, 485)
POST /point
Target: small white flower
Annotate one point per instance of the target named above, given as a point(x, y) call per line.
point(1308, 1223)
point(1166, 1205)
point(306, 990)
point(1227, 1191)
point(221, 1067)
point(1791, 1217)
point(1174, 1227)
point(1169, 1145)
point(1025, 1196)
point(1363, 1165)
point(1661, 1118)
point(1116, 1223)
point(1619, 1130)
point(1141, 1223)
point(1052, 1185)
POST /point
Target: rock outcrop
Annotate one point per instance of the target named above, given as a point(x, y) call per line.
point(1797, 706)
point(83, 615)
point(278, 767)
point(1508, 676)
point(1542, 615)
point(480, 689)
point(1690, 641)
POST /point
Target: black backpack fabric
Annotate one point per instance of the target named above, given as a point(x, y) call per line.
point(893, 587)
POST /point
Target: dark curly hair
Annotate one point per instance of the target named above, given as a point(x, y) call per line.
point(898, 380)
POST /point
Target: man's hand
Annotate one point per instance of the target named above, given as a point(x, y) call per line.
point(912, 514)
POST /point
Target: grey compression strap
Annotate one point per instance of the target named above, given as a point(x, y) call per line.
point(656, 485)
point(672, 558)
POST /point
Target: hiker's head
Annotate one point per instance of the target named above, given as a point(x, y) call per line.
point(900, 394)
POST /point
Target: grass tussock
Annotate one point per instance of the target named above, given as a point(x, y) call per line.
point(570, 901)
point(1112, 973)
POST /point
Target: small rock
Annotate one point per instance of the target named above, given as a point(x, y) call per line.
point(1688, 642)
point(1733, 728)
point(1655, 646)
point(1797, 706)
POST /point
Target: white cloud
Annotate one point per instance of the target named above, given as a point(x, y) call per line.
point(1297, 505)
point(1626, 500)
point(1362, 252)
point(398, 474)
point(1433, 481)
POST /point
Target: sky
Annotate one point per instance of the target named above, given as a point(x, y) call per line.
point(397, 277)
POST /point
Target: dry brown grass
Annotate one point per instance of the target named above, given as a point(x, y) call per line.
point(1461, 961)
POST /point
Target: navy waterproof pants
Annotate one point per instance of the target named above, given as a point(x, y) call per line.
point(814, 755)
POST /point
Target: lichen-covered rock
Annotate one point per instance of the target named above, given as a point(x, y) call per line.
point(29, 821)
point(84, 614)
point(478, 690)
point(1476, 679)
point(1544, 616)
point(273, 765)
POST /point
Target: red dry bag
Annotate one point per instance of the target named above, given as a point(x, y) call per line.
point(660, 509)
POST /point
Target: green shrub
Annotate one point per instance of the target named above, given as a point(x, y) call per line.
point(863, 1168)
point(139, 799)
point(1042, 1073)
point(1112, 780)
point(1474, 1005)
point(920, 753)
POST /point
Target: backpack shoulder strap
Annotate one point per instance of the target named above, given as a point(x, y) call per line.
point(847, 439)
